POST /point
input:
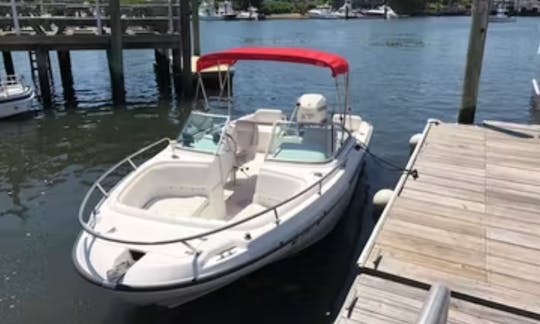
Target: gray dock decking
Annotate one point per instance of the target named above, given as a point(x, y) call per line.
point(471, 221)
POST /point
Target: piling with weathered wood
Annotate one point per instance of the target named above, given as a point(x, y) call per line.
point(44, 77)
point(8, 63)
point(185, 39)
point(195, 26)
point(64, 64)
point(475, 54)
point(116, 61)
point(162, 69)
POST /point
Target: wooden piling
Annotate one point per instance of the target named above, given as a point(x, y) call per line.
point(185, 44)
point(162, 69)
point(176, 70)
point(64, 64)
point(116, 63)
point(44, 77)
point(8, 63)
point(196, 28)
point(475, 54)
point(15, 17)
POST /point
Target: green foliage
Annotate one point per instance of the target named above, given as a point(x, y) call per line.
point(407, 7)
point(276, 7)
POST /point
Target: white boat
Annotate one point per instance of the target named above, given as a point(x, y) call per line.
point(346, 11)
point(226, 197)
point(251, 13)
point(322, 12)
point(207, 11)
point(383, 11)
point(15, 96)
point(501, 16)
point(225, 10)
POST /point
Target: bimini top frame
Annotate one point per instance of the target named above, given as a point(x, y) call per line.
point(337, 65)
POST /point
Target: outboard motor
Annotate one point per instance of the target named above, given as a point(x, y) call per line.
point(311, 109)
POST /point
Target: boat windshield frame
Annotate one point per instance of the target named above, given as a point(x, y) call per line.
point(269, 156)
point(222, 133)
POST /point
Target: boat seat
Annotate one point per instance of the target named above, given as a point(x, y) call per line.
point(267, 116)
point(352, 123)
point(174, 207)
point(246, 136)
point(265, 119)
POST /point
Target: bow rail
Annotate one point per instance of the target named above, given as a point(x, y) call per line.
point(89, 228)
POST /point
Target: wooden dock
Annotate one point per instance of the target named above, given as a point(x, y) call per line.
point(470, 221)
point(106, 26)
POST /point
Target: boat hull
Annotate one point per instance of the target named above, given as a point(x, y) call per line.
point(17, 105)
point(173, 297)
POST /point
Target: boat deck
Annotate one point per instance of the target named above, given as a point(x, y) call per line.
point(470, 221)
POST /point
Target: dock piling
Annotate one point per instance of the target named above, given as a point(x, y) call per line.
point(176, 71)
point(162, 69)
point(44, 77)
point(8, 63)
point(475, 54)
point(64, 64)
point(196, 28)
point(99, 24)
point(116, 62)
point(185, 44)
point(15, 17)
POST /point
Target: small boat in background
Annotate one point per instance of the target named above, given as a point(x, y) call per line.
point(322, 12)
point(226, 11)
point(326, 12)
point(383, 11)
point(251, 13)
point(207, 11)
point(15, 96)
point(501, 16)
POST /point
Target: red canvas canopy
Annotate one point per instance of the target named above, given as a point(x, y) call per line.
point(334, 62)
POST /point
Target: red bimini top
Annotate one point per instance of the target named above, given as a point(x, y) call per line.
point(334, 62)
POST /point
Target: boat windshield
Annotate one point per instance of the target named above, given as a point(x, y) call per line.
point(307, 143)
point(203, 132)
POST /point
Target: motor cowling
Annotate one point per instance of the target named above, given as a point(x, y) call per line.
point(311, 109)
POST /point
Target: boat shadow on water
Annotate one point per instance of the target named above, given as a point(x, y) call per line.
point(308, 287)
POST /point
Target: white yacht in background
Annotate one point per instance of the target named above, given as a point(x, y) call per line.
point(346, 11)
point(383, 11)
point(322, 12)
point(207, 11)
point(227, 197)
point(226, 11)
point(15, 96)
point(251, 13)
point(501, 16)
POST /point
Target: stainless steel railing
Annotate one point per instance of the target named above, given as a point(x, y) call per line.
point(88, 228)
point(435, 310)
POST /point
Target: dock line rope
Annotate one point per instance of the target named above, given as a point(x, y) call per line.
point(389, 165)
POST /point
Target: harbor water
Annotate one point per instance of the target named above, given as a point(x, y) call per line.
point(403, 72)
